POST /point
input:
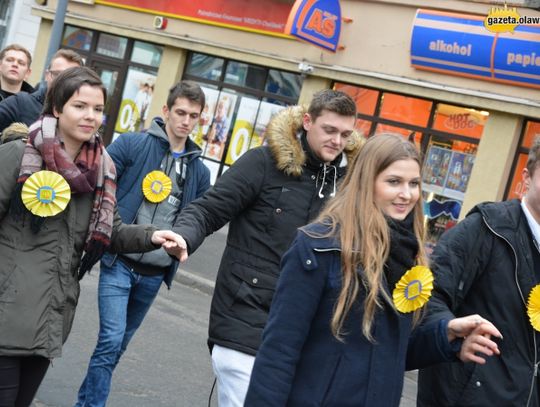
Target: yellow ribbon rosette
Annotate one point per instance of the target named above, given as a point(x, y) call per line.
point(156, 186)
point(533, 307)
point(45, 193)
point(413, 290)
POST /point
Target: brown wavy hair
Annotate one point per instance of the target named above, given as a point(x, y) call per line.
point(363, 231)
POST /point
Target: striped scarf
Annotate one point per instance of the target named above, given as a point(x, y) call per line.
point(92, 171)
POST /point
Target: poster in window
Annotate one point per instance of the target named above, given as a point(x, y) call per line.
point(200, 132)
point(136, 100)
point(459, 174)
point(244, 126)
point(219, 128)
point(436, 168)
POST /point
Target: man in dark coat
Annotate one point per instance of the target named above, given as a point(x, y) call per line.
point(26, 107)
point(15, 61)
point(266, 195)
point(488, 264)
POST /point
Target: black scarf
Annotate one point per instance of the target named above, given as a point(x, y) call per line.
point(403, 249)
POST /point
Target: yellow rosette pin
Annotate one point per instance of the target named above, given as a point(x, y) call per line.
point(533, 307)
point(45, 193)
point(156, 186)
point(413, 290)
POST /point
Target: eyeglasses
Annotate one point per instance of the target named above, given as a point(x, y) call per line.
point(54, 74)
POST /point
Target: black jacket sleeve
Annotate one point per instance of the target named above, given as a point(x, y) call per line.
point(235, 191)
point(9, 109)
point(457, 261)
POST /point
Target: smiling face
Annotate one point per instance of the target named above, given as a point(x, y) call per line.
point(397, 188)
point(328, 134)
point(14, 67)
point(80, 117)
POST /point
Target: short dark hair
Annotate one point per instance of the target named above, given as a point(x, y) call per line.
point(189, 90)
point(69, 55)
point(533, 160)
point(66, 84)
point(16, 47)
point(332, 101)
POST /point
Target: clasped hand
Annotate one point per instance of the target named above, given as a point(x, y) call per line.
point(172, 242)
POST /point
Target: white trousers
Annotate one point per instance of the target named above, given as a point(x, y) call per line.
point(233, 371)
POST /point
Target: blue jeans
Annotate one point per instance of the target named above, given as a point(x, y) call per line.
point(124, 298)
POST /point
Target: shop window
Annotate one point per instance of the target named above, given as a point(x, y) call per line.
point(516, 189)
point(146, 53)
point(240, 101)
point(111, 46)
point(447, 135)
point(284, 83)
point(205, 66)
point(405, 109)
point(77, 38)
point(238, 73)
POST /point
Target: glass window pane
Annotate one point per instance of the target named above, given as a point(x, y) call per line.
point(111, 46)
point(146, 53)
point(517, 189)
point(78, 38)
point(531, 132)
point(247, 75)
point(405, 109)
point(366, 99)
point(284, 83)
point(363, 127)
point(386, 128)
point(205, 66)
point(460, 120)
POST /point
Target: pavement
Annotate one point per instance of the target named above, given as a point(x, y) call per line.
point(200, 272)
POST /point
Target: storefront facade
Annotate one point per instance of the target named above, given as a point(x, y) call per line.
point(474, 131)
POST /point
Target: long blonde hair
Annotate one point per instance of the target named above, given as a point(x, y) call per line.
point(363, 230)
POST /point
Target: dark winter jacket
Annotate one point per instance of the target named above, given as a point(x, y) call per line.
point(39, 288)
point(25, 87)
point(23, 107)
point(484, 265)
point(300, 363)
point(268, 193)
point(137, 154)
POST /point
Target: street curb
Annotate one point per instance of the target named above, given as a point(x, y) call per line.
point(200, 283)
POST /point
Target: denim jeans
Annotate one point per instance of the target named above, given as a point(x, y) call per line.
point(124, 298)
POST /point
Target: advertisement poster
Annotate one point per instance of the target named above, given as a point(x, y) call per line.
point(249, 15)
point(460, 171)
point(200, 132)
point(136, 100)
point(250, 126)
point(436, 167)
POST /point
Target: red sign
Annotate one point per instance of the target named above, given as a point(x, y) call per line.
point(268, 17)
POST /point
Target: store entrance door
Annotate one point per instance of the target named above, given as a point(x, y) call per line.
point(110, 74)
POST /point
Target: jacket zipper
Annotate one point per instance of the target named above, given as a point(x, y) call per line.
point(535, 363)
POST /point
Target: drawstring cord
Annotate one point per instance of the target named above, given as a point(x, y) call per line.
point(333, 193)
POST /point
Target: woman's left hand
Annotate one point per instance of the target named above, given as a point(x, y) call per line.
point(172, 242)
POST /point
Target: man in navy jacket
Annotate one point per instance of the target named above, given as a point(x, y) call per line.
point(159, 172)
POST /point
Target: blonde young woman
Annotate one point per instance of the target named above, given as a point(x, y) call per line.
point(57, 200)
point(338, 333)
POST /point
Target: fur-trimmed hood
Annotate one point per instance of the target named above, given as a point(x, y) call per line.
point(283, 139)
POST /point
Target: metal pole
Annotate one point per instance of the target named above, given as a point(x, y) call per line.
point(56, 32)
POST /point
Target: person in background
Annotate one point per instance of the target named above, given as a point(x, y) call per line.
point(26, 107)
point(339, 329)
point(265, 195)
point(15, 61)
point(489, 263)
point(15, 131)
point(129, 283)
point(57, 201)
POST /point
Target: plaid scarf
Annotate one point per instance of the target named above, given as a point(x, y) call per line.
point(92, 171)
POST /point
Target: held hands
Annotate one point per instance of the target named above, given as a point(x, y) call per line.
point(476, 333)
point(173, 243)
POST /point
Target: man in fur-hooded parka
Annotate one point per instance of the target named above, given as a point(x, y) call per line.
point(266, 195)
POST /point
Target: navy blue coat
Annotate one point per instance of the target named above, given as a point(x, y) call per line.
point(137, 154)
point(300, 362)
point(23, 107)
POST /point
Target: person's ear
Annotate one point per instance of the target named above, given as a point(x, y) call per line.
point(526, 178)
point(306, 121)
point(28, 73)
point(56, 113)
point(165, 111)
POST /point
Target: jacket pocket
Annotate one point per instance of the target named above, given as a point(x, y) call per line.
point(252, 300)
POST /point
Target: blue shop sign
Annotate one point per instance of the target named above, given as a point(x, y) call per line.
point(459, 44)
point(316, 21)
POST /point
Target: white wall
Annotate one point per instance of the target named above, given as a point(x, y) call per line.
point(23, 26)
